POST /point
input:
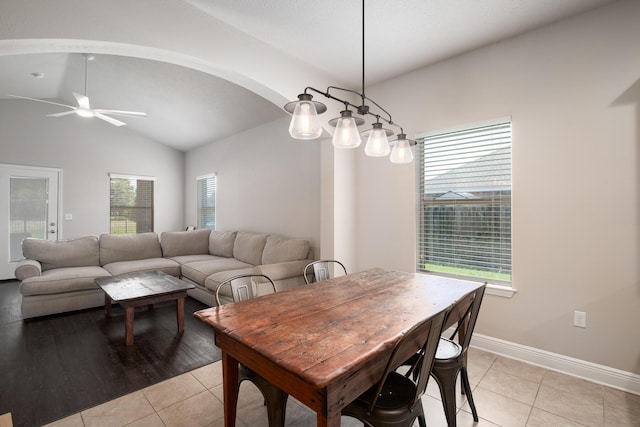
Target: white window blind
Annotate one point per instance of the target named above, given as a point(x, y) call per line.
point(464, 218)
point(131, 204)
point(206, 187)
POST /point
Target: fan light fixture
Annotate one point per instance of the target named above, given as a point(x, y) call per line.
point(305, 123)
point(84, 108)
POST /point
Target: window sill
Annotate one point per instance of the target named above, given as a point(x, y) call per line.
point(501, 291)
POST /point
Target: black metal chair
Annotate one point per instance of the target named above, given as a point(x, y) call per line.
point(274, 398)
point(321, 269)
point(451, 357)
point(396, 399)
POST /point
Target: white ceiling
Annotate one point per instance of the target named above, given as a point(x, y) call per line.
point(188, 108)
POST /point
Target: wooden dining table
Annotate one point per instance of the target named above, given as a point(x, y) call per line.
point(326, 343)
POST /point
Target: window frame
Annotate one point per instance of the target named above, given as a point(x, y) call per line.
point(150, 179)
point(495, 287)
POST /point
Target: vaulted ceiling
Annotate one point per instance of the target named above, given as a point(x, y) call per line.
point(187, 108)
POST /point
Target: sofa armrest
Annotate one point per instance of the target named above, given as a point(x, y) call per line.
point(28, 268)
point(283, 270)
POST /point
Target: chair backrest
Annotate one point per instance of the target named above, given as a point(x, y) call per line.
point(322, 269)
point(465, 313)
point(422, 339)
point(241, 289)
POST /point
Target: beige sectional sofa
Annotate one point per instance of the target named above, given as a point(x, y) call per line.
point(58, 276)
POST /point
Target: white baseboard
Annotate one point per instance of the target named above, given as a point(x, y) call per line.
point(611, 377)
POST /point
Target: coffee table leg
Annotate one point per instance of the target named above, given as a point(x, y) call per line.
point(128, 325)
point(107, 306)
point(180, 314)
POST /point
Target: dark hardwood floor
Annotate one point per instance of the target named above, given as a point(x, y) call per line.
point(55, 366)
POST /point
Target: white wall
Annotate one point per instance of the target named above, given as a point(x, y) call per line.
point(87, 151)
point(267, 182)
point(573, 91)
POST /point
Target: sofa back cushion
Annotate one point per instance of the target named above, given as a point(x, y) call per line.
point(279, 249)
point(221, 243)
point(179, 243)
point(248, 247)
point(52, 254)
point(115, 248)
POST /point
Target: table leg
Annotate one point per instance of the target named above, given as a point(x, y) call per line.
point(328, 420)
point(107, 306)
point(128, 325)
point(180, 314)
point(229, 388)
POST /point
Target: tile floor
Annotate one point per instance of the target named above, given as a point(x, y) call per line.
point(507, 393)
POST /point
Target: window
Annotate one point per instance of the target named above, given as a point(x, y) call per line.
point(206, 201)
point(464, 218)
point(131, 203)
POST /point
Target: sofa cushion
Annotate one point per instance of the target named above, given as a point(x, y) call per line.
point(278, 249)
point(283, 270)
point(177, 243)
point(221, 243)
point(165, 265)
point(115, 248)
point(248, 247)
point(184, 259)
point(61, 280)
point(199, 270)
point(80, 252)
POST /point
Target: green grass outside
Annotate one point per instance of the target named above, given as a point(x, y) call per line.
point(123, 226)
point(504, 277)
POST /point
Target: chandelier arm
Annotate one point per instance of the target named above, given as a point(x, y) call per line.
point(341, 88)
point(388, 120)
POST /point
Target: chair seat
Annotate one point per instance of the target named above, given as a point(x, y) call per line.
point(447, 350)
point(397, 392)
point(395, 401)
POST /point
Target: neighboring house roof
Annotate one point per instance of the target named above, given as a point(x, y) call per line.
point(484, 173)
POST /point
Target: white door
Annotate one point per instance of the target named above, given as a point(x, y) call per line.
point(29, 208)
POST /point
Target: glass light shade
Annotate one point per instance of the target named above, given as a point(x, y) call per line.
point(346, 134)
point(83, 112)
point(401, 152)
point(377, 143)
point(305, 123)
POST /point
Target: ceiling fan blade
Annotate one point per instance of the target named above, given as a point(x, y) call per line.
point(41, 100)
point(109, 119)
point(83, 101)
point(121, 113)
point(64, 113)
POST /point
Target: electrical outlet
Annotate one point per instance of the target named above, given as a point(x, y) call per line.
point(580, 319)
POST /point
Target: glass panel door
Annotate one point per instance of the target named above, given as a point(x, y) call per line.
point(30, 198)
point(28, 213)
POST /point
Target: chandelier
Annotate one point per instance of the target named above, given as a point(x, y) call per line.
point(305, 123)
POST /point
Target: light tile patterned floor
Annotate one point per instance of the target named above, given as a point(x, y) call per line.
point(507, 393)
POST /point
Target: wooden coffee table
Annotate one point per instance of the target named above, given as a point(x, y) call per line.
point(138, 289)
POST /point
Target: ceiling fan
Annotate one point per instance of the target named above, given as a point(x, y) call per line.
point(84, 107)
